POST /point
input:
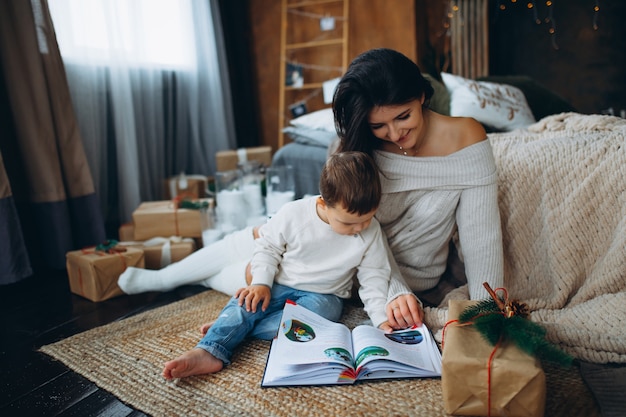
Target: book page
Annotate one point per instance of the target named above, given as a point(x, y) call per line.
point(305, 337)
point(412, 347)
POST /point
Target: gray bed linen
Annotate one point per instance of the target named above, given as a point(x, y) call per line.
point(307, 161)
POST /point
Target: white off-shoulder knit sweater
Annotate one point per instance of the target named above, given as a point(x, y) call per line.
point(425, 199)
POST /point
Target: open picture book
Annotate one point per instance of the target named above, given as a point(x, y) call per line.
point(310, 350)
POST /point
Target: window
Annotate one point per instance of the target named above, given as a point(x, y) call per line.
point(143, 33)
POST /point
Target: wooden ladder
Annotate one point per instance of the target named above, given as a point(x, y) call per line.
point(321, 55)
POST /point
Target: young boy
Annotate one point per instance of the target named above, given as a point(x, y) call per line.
point(308, 253)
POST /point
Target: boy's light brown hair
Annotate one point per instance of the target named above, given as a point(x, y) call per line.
point(350, 180)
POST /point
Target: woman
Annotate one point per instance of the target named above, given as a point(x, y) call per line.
point(438, 176)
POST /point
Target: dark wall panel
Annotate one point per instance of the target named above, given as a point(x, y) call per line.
point(589, 66)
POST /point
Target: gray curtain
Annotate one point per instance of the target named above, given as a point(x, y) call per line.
point(144, 118)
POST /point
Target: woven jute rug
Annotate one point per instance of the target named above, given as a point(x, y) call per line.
point(126, 359)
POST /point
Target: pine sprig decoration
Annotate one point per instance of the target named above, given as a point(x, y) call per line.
point(531, 338)
point(189, 201)
point(491, 327)
point(193, 205)
point(107, 245)
point(110, 246)
point(501, 319)
point(482, 307)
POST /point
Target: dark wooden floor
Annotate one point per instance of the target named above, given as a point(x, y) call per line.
point(41, 310)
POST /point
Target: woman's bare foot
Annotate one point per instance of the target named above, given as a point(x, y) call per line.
point(194, 362)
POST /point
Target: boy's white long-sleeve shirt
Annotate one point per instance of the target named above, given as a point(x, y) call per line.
point(299, 250)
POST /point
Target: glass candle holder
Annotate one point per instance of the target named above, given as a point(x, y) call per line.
point(232, 210)
point(281, 187)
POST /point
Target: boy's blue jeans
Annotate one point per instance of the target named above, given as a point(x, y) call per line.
point(234, 323)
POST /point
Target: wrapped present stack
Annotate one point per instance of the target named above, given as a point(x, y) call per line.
point(169, 218)
point(167, 231)
point(162, 232)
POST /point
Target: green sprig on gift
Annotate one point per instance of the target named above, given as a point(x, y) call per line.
point(107, 245)
point(501, 319)
point(110, 246)
point(192, 205)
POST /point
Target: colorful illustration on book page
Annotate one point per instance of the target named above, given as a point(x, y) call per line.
point(339, 354)
point(298, 331)
point(370, 351)
point(409, 337)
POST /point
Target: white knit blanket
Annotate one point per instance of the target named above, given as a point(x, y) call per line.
point(562, 199)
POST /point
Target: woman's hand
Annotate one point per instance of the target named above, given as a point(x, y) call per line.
point(252, 295)
point(404, 311)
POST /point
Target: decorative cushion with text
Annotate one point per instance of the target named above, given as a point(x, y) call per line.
point(500, 106)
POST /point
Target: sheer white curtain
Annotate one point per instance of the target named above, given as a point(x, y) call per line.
point(150, 87)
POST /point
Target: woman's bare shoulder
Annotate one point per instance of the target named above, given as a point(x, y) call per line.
point(468, 131)
point(460, 132)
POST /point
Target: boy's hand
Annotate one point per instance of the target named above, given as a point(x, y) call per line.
point(252, 295)
point(405, 311)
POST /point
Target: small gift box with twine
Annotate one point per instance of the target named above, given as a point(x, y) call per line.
point(177, 217)
point(192, 186)
point(93, 272)
point(490, 359)
point(159, 252)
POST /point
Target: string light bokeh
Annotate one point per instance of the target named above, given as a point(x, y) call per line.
point(548, 20)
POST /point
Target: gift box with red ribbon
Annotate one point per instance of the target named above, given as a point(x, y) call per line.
point(93, 272)
point(479, 379)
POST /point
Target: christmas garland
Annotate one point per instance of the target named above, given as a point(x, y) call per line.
point(502, 319)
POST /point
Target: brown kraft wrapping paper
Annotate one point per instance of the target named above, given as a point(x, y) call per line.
point(516, 380)
point(153, 250)
point(228, 160)
point(164, 218)
point(94, 274)
point(191, 186)
point(126, 232)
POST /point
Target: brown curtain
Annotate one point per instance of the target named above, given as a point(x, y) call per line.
point(470, 38)
point(47, 201)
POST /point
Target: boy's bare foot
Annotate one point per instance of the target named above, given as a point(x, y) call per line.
point(206, 326)
point(194, 362)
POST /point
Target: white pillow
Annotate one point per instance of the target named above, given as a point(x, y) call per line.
point(500, 106)
point(320, 120)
